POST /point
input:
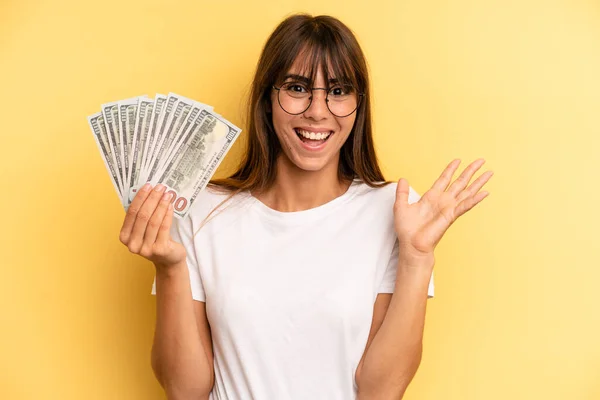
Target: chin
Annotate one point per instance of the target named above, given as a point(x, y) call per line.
point(310, 164)
point(310, 167)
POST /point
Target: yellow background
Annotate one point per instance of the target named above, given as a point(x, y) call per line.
point(517, 82)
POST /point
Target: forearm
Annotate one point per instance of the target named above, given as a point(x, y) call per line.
point(394, 355)
point(178, 357)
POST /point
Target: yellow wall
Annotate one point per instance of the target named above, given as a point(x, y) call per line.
point(516, 82)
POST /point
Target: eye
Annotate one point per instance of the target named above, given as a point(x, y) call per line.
point(295, 87)
point(341, 90)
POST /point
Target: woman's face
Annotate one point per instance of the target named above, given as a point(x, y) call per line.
point(307, 154)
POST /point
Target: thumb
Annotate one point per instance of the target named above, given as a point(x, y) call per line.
point(402, 192)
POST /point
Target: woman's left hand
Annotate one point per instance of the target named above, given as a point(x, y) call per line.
point(421, 225)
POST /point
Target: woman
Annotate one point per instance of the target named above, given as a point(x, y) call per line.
point(310, 273)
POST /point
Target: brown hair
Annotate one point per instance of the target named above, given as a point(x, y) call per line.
point(325, 41)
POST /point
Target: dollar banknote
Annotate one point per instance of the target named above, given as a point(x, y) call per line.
point(174, 117)
point(110, 112)
point(170, 139)
point(96, 122)
point(190, 119)
point(194, 162)
point(159, 102)
point(141, 128)
point(185, 113)
point(159, 132)
point(127, 113)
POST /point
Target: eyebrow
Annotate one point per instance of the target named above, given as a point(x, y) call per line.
point(305, 79)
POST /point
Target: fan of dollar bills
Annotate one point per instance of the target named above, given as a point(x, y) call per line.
point(171, 140)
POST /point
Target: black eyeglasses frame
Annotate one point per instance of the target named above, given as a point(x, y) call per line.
point(360, 96)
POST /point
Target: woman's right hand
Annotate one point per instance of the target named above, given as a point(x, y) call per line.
point(147, 225)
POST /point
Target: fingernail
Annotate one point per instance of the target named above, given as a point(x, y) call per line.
point(167, 196)
point(159, 187)
point(146, 187)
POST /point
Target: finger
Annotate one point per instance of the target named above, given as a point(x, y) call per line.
point(475, 186)
point(143, 217)
point(464, 178)
point(442, 182)
point(156, 221)
point(402, 192)
point(132, 212)
point(469, 203)
point(164, 232)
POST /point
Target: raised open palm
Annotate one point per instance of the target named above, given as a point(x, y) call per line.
point(420, 226)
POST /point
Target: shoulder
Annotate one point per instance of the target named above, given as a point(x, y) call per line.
point(385, 194)
point(212, 200)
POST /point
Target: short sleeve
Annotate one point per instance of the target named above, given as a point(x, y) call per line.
point(389, 278)
point(182, 232)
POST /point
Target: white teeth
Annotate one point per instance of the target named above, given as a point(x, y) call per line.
point(313, 135)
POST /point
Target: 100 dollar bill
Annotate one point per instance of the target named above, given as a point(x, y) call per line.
point(171, 140)
point(127, 111)
point(176, 111)
point(157, 109)
point(110, 112)
point(140, 136)
point(96, 122)
point(200, 151)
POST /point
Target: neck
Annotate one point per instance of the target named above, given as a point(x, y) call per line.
point(296, 189)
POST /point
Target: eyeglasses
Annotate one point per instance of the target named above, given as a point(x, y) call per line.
point(295, 98)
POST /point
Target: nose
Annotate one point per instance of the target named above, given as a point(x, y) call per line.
point(318, 107)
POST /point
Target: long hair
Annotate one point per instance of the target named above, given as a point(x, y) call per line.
point(326, 44)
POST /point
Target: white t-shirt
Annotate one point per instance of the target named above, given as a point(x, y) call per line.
point(290, 295)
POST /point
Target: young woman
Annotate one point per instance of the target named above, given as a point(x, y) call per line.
point(305, 274)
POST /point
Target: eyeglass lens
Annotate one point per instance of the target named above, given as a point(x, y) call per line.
point(295, 98)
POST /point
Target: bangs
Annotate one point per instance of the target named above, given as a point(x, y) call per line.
point(322, 49)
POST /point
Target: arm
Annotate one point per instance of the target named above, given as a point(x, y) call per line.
point(182, 357)
point(394, 355)
point(182, 352)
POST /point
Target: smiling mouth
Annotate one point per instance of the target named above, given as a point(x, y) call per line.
point(313, 138)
